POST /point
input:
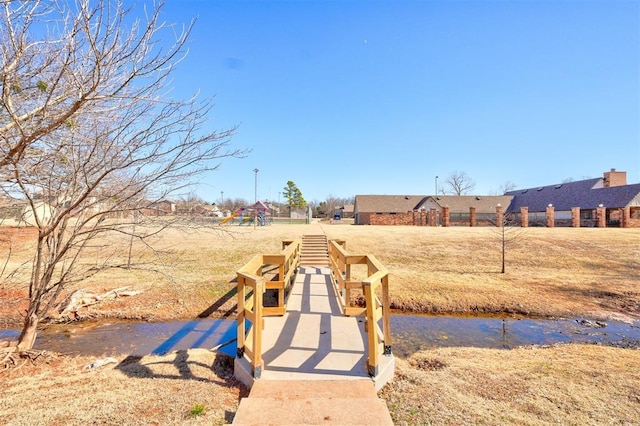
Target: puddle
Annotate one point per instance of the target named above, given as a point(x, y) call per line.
point(410, 333)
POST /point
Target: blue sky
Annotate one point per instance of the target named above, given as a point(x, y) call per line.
point(379, 97)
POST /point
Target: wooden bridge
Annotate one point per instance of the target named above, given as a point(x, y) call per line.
point(315, 356)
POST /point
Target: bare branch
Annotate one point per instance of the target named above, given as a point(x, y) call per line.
point(89, 136)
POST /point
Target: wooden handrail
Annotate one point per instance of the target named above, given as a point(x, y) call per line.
point(376, 308)
point(251, 287)
point(249, 343)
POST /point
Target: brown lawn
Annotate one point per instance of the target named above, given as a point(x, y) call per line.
point(591, 273)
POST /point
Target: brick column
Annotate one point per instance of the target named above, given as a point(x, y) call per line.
point(499, 216)
point(432, 217)
point(601, 217)
point(423, 217)
point(472, 216)
point(575, 217)
point(551, 216)
point(626, 216)
point(524, 217)
point(446, 219)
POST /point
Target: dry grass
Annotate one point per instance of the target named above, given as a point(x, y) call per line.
point(550, 272)
point(569, 385)
point(153, 390)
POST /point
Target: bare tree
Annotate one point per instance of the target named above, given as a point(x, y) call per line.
point(507, 234)
point(506, 187)
point(88, 130)
point(458, 183)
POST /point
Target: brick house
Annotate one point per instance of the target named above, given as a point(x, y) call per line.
point(424, 210)
point(578, 203)
point(385, 209)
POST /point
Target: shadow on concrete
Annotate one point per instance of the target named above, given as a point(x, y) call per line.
point(312, 339)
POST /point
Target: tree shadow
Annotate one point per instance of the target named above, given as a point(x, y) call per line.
point(182, 365)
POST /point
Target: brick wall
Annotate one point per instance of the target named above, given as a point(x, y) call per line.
point(392, 219)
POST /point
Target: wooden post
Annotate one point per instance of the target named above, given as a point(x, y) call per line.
point(240, 320)
point(258, 326)
point(281, 277)
point(372, 335)
point(386, 315)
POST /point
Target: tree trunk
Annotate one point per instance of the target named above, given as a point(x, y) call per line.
point(28, 336)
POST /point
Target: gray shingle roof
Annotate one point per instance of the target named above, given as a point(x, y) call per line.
point(482, 203)
point(574, 194)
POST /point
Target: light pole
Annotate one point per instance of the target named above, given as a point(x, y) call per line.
point(436, 186)
point(256, 186)
point(221, 198)
point(278, 204)
point(255, 207)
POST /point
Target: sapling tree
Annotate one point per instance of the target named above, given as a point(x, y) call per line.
point(507, 233)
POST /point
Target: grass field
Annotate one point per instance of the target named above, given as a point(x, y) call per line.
point(592, 273)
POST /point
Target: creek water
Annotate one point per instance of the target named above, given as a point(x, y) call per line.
point(410, 334)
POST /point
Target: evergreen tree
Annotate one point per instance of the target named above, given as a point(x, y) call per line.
point(294, 197)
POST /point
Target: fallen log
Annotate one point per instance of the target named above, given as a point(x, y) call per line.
point(81, 299)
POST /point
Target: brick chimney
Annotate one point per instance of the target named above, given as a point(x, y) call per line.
point(614, 178)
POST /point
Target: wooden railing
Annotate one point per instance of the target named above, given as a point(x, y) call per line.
point(254, 278)
point(375, 289)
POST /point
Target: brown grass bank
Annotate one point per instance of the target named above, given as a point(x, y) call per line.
point(568, 385)
point(549, 272)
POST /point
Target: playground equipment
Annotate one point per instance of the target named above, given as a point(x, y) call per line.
point(228, 219)
point(246, 215)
